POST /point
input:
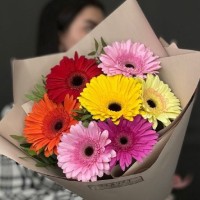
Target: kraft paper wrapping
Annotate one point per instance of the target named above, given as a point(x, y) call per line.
point(150, 180)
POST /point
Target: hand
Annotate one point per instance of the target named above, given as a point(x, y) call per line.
point(181, 183)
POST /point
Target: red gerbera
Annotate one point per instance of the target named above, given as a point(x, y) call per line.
point(46, 123)
point(70, 77)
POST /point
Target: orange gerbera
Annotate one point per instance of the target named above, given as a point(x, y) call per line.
point(47, 121)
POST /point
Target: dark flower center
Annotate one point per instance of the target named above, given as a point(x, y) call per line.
point(151, 103)
point(129, 65)
point(123, 140)
point(55, 122)
point(114, 107)
point(77, 80)
point(89, 151)
point(58, 125)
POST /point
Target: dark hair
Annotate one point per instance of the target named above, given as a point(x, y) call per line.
point(56, 17)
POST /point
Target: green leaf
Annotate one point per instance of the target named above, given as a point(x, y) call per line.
point(44, 159)
point(85, 117)
point(54, 157)
point(24, 157)
point(38, 93)
point(41, 164)
point(78, 111)
point(82, 115)
point(85, 124)
point(25, 145)
point(30, 97)
point(40, 159)
point(76, 117)
point(96, 45)
point(102, 52)
point(20, 139)
point(43, 80)
point(41, 150)
point(103, 42)
point(93, 53)
point(29, 152)
point(97, 59)
point(52, 160)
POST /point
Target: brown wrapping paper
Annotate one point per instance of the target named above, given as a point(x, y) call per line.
point(180, 70)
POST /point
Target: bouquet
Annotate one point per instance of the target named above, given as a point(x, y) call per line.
point(106, 119)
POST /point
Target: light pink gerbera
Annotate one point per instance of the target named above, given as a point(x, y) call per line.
point(129, 59)
point(83, 153)
point(132, 140)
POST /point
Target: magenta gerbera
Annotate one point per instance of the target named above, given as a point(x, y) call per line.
point(70, 77)
point(83, 154)
point(129, 59)
point(131, 140)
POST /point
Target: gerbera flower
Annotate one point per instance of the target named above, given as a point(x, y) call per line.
point(112, 97)
point(131, 140)
point(47, 121)
point(129, 59)
point(159, 103)
point(83, 154)
point(70, 77)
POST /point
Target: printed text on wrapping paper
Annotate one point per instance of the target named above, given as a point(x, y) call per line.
point(117, 184)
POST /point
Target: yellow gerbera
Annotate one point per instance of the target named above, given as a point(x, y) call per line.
point(159, 103)
point(112, 97)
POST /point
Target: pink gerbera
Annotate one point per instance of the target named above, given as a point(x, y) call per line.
point(83, 153)
point(129, 59)
point(132, 140)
